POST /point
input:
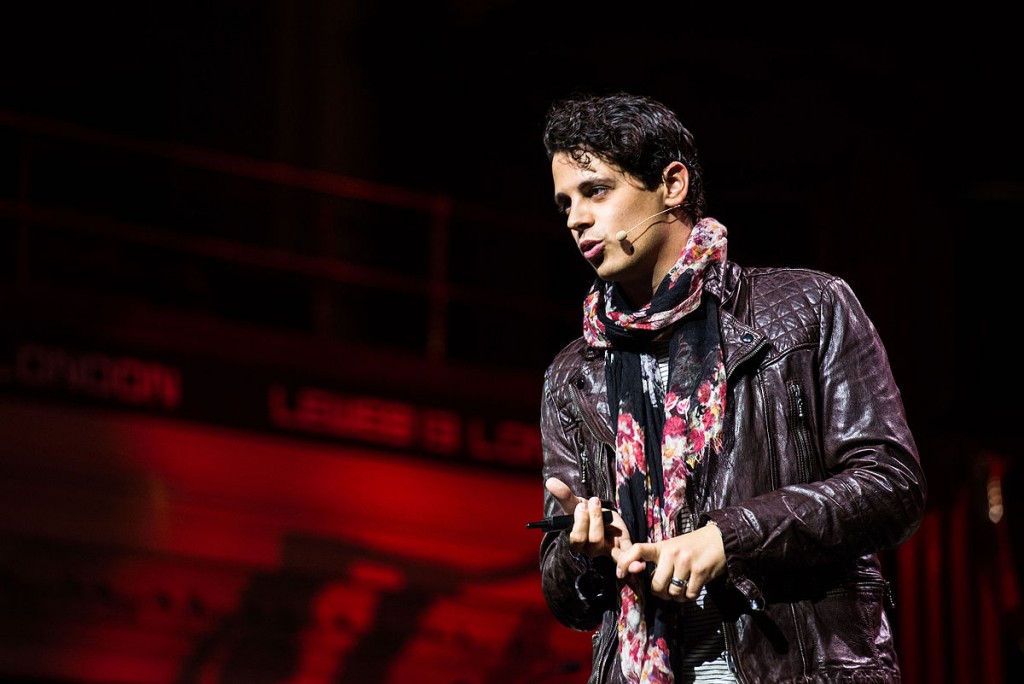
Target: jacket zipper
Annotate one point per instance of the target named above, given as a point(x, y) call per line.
point(575, 393)
point(603, 653)
point(730, 658)
point(798, 422)
point(603, 636)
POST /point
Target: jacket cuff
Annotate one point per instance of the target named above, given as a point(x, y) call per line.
point(737, 574)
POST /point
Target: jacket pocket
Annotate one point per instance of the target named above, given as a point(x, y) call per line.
point(852, 629)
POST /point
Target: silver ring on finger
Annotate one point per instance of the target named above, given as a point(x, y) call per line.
point(679, 582)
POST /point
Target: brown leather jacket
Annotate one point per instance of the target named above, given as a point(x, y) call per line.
point(819, 472)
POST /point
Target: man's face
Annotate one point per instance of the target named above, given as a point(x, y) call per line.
point(599, 201)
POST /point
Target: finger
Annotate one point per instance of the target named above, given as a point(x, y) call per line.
point(580, 531)
point(678, 588)
point(660, 580)
point(596, 531)
point(617, 529)
point(632, 559)
point(562, 493)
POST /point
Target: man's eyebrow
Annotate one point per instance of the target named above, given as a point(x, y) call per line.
point(584, 184)
point(587, 183)
point(595, 180)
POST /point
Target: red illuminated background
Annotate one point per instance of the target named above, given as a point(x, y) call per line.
point(279, 282)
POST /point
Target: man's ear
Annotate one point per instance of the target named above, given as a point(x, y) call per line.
point(677, 182)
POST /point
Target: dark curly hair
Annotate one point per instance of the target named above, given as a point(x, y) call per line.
point(636, 134)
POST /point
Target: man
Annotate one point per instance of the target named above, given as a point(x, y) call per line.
point(743, 425)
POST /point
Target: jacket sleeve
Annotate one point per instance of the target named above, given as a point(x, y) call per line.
point(873, 494)
point(577, 589)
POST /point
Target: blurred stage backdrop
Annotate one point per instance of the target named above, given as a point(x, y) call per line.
point(279, 282)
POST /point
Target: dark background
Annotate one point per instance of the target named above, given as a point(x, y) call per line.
point(883, 146)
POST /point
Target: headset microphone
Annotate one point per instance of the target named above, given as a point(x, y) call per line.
point(623, 234)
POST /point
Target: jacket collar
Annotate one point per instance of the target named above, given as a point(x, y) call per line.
point(740, 341)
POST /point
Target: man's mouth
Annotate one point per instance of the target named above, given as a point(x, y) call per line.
point(591, 249)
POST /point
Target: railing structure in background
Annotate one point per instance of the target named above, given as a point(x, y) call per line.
point(322, 332)
point(366, 250)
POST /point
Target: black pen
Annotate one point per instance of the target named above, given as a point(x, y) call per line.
point(561, 522)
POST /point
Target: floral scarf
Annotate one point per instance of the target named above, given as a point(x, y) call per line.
point(682, 429)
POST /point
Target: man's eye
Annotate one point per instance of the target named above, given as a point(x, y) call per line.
point(597, 191)
point(562, 209)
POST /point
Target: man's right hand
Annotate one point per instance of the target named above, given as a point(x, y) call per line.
point(589, 534)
